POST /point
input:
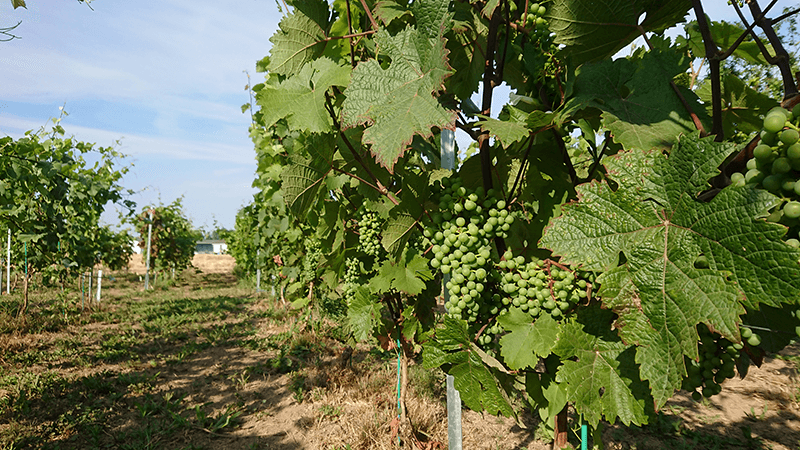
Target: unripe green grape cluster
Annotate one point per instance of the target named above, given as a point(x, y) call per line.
point(462, 244)
point(352, 274)
point(369, 232)
point(535, 18)
point(775, 166)
point(541, 287)
point(311, 259)
point(717, 363)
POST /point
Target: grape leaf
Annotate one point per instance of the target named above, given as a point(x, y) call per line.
point(399, 227)
point(506, 131)
point(639, 107)
point(548, 396)
point(300, 98)
point(464, 42)
point(300, 38)
point(407, 275)
point(724, 34)
point(304, 179)
point(592, 30)
point(363, 314)
point(527, 341)
point(742, 106)
point(655, 220)
point(388, 10)
point(599, 373)
point(433, 17)
point(398, 102)
point(475, 382)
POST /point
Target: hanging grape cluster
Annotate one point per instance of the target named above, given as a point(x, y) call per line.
point(462, 238)
point(542, 287)
point(533, 20)
point(311, 260)
point(482, 284)
point(369, 232)
point(716, 363)
point(352, 273)
point(775, 166)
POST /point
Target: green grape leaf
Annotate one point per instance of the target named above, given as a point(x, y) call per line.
point(388, 10)
point(626, 90)
point(433, 17)
point(300, 98)
point(408, 275)
point(399, 227)
point(592, 30)
point(475, 382)
point(506, 131)
point(364, 314)
point(464, 42)
point(398, 102)
point(599, 373)
point(656, 222)
point(300, 38)
point(548, 396)
point(527, 341)
point(724, 34)
point(304, 179)
point(742, 106)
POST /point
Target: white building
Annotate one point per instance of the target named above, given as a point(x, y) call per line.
point(216, 247)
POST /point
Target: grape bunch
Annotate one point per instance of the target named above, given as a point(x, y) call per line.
point(462, 244)
point(352, 273)
point(716, 363)
point(775, 166)
point(534, 19)
point(541, 287)
point(369, 229)
point(311, 260)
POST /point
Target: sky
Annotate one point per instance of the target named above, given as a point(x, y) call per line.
point(164, 78)
point(162, 81)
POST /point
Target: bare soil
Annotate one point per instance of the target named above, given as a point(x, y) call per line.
point(326, 402)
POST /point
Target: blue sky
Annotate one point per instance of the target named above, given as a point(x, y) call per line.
point(165, 78)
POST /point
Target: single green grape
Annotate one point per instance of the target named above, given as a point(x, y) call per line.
point(789, 136)
point(773, 182)
point(762, 152)
point(781, 165)
point(774, 122)
point(792, 209)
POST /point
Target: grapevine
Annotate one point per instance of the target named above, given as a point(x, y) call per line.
point(652, 271)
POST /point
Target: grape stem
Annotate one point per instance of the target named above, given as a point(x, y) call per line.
point(792, 126)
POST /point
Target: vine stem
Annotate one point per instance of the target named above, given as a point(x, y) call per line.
point(350, 29)
point(369, 14)
point(713, 56)
point(781, 55)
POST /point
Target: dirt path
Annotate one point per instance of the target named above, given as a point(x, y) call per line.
point(206, 364)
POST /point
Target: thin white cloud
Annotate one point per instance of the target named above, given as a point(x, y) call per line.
point(137, 145)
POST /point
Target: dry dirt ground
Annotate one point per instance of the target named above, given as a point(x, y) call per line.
point(326, 405)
